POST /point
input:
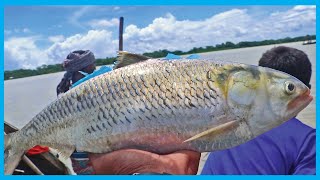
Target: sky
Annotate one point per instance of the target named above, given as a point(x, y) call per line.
point(37, 35)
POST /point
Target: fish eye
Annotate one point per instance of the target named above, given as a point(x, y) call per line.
point(289, 87)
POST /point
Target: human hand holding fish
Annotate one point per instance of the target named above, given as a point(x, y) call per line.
point(130, 161)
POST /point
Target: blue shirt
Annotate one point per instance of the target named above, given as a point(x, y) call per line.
point(287, 149)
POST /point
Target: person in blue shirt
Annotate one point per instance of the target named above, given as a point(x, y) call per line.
point(287, 149)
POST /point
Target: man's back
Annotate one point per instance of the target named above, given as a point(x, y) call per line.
point(287, 149)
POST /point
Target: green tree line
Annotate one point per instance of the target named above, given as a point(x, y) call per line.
point(46, 69)
point(230, 45)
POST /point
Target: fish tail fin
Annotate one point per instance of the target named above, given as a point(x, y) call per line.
point(12, 154)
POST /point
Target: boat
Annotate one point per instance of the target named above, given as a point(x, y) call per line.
point(307, 42)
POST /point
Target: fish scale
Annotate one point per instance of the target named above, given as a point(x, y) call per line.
point(158, 106)
point(157, 96)
point(92, 90)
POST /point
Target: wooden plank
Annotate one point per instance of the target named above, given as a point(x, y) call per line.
point(31, 165)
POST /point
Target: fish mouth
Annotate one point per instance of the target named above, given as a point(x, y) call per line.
point(300, 102)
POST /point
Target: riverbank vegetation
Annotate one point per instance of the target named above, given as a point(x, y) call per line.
point(46, 69)
point(230, 45)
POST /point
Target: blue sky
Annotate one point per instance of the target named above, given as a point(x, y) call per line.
point(36, 35)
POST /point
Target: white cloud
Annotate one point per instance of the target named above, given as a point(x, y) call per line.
point(169, 33)
point(295, 19)
point(98, 41)
point(302, 8)
point(235, 25)
point(23, 51)
point(164, 33)
point(78, 14)
point(56, 39)
point(116, 8)
point(103, 23)
point(27, 54)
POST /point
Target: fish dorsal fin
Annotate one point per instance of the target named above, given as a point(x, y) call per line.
point(125, 58)
point(214, 131)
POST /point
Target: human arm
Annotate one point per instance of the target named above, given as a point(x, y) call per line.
point(131, 161)
point(305, 162)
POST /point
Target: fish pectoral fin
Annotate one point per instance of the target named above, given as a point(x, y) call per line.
point(125, 58)
point(64, 157)
point(214, 131)
point(66, 152)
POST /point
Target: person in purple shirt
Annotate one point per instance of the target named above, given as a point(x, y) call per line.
point(286, 149)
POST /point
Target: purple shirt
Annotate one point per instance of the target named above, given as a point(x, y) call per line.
point(287, 149)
